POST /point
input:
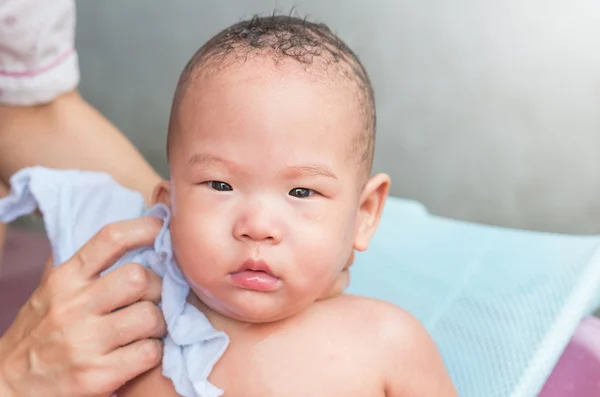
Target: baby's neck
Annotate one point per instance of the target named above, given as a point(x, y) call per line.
point(230, 325)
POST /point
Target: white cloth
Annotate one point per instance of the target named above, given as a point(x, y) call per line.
point(75, 206)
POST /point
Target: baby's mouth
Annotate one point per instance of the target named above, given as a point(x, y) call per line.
point(256, 276)
point(256, 266)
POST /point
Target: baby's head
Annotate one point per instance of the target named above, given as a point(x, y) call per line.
point(270, 150)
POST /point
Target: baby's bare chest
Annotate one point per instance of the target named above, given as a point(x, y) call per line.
point(297, 364)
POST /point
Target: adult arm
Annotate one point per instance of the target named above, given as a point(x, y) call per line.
point(70, 133)
point(43, 120)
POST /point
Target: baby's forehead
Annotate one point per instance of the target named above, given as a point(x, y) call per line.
point(327, 101)
point(261, 81)
point(285, 88)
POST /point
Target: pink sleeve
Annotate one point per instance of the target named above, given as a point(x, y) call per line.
point(38, 61)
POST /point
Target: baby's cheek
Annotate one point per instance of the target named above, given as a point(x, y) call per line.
point(199, 248)
point(324, 253)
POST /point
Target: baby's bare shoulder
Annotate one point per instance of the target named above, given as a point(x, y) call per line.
point(409, 359)
point(361, 322)
point(369, 316)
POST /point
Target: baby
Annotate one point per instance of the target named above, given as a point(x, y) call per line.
point(270, 149)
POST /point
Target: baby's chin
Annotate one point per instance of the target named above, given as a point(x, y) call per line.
point(249, 307)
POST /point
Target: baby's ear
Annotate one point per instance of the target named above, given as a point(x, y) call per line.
point(370, 207)
point(162, 193)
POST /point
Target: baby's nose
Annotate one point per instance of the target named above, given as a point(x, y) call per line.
point(258, 224)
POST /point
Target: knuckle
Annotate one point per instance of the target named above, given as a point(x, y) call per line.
point(150, 352)
point(37, 303)
point(80, 259)
point(34, 305)
point(80, 381)
point(152, 316)
point(148, 308)
point(156, 320)
point(88, 381)
point(112, 235)
point(56, 315)
point(136, 276)
point(54, 277)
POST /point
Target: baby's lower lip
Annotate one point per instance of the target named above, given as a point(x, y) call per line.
point(255, 280)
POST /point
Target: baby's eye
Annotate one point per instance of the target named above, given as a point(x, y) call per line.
point(301, 192)
point(220, 186)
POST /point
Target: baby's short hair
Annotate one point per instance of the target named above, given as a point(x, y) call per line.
point(283, 36)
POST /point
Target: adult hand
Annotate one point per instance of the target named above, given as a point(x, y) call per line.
point(83, 335)
point(341, 282)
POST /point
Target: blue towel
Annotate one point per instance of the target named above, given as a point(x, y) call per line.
point(75, 206)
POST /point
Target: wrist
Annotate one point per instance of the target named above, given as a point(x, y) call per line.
point(5, 389)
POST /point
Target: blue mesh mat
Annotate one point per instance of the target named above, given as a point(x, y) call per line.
point(500, 303)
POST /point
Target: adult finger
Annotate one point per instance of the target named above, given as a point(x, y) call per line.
point(124, 286)
point(111, 242)
point(142, 320)
point(129, 361)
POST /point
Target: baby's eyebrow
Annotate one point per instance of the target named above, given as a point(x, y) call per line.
point(294, 171)
point(310, 170)
point(204, 160)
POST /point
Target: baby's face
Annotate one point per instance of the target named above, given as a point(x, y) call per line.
point(266, 192)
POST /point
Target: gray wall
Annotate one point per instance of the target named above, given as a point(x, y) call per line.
point(488, 110)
